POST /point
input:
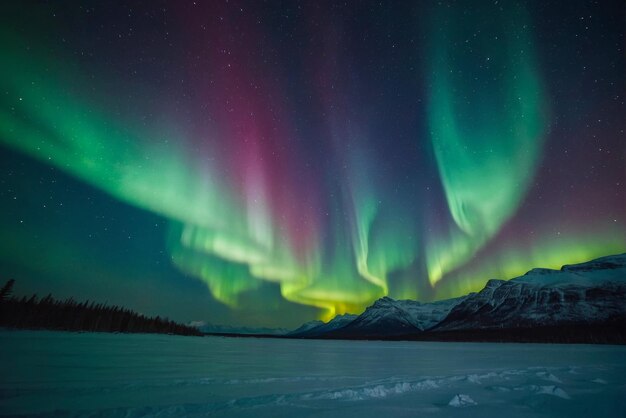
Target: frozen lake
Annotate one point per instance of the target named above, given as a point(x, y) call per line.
point(68, 374)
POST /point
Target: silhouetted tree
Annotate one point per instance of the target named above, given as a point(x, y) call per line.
point(7, 290)
point(70, 315)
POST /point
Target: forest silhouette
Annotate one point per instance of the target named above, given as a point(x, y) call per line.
point(70, 315)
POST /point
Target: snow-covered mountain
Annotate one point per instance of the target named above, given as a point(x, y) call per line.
point(590, 297)
point(306, 327)
point(590, 292)
point(583, 302)
point(389, 317)
point(318, 328)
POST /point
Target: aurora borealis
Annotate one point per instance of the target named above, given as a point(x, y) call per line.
point(269, 163)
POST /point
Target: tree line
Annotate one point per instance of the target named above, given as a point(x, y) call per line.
point(70, 315)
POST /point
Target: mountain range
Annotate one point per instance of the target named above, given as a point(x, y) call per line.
point(583, 302)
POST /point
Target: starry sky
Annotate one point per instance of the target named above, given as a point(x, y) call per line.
point(268, 163)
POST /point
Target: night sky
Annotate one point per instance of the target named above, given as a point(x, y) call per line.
point(268, 163)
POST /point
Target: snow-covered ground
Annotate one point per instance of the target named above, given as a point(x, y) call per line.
point(68, 374)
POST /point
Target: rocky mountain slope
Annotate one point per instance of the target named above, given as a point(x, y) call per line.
point(389, 317)
point(319, 328)
point(583, 302)
point(583, 293)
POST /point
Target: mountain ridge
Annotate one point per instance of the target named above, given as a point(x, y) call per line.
point(583, 302)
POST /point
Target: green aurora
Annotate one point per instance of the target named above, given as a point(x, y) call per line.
point(487, 129)
point(252, 203)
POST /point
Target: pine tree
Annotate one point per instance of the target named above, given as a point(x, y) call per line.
point(7, 290)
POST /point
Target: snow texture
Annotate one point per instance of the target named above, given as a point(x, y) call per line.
point(57, 374)
point(461, 400)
